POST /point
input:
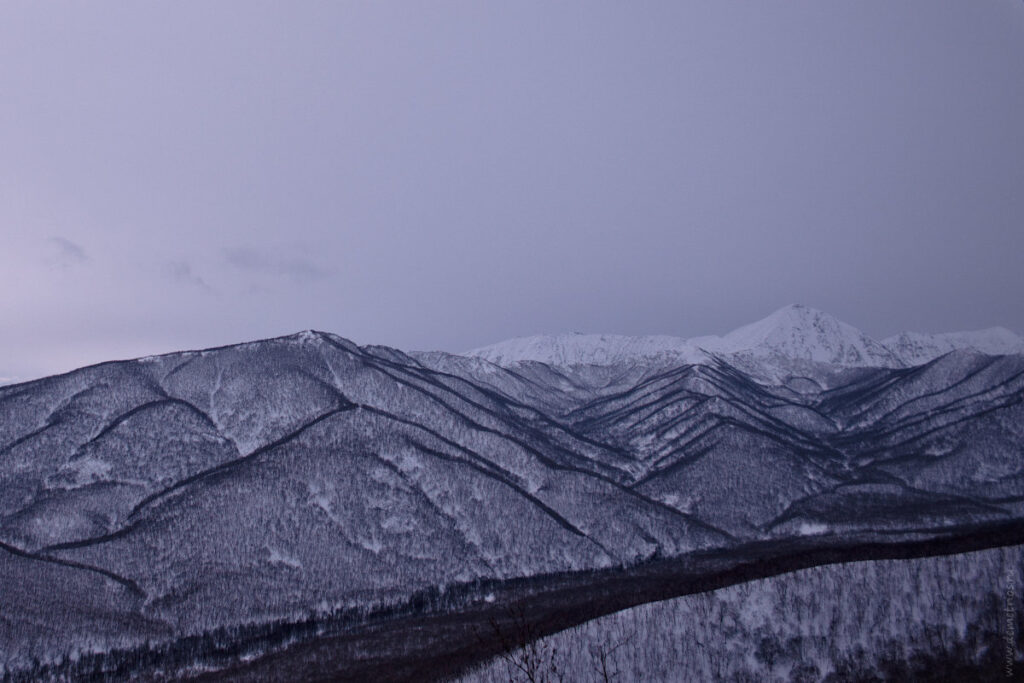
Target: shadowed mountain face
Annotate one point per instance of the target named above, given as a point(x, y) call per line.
point(175, 494)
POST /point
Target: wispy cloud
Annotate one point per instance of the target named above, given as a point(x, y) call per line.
point(181, 272)
point(67, 253)
point(252, 260)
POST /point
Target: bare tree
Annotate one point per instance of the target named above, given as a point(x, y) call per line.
point(602, 657)
point(527, 655)
point(530, 657)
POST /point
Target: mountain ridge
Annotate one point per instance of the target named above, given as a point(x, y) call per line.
point(251, 483)
point(795, 332)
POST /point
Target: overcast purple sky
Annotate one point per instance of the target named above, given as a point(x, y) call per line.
point(444, 175)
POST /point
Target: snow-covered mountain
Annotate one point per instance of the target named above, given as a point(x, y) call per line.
point(915, 348)
point(802, 333)
point(589, 349)
point(794, 334)
point(179, 498)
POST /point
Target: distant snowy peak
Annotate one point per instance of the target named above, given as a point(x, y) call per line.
point(588, 349)
point(915, 348)
point(806, 334)
point(794, 333)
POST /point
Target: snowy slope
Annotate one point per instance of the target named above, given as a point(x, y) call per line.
point(589, 349)
point(803, 333)
point(854, 621)
point(795, 334)
point(915, 348)
point(248, 484)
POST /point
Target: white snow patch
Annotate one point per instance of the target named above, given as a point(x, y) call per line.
point(321, 495)
point(88, 469)
point(279, 558)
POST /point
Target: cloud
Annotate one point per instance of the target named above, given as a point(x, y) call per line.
point(181, 272)
point(252, 260)
point(68, 253)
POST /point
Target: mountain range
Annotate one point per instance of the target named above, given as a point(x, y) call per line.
point(288, 481)
point(793, 333)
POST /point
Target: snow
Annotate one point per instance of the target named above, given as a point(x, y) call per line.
point(804, 333)
point(848, 621)
point(795, 332)
point(279, 558)
point(307, 337)
point(321, 495)
point(588, 349)
point(88, 469)
point(441, 478)
point(916, 348)
point(374, 545)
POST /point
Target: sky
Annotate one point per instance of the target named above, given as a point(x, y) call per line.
point(445, 175)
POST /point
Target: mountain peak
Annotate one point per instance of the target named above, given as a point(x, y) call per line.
point(798, 308)
point(794, 316)
point(800, 332)
point(798, 314)
point(794, 332)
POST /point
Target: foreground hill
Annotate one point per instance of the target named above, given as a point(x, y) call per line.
point(308, 480)
point(939, 618)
